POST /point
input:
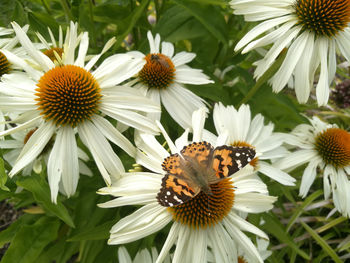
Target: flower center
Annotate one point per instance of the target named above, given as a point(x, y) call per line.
point(323, 17)
point(241, 260)
point(68, 95)
point(253, 162)
point(5, 65)
point(51, 53)
point(334, 146)
point(206, 210)
point(158, 72)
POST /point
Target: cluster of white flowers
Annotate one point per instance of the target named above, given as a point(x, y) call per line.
point(56, 100)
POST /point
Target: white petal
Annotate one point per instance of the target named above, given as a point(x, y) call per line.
point(169, 242)
point(34, 146)
point(322, 89)
point(180, 104)
point(170, 143)
point(32, 51)
point(254, 202)
point(198, 120)
point(145, 221)
point(21, 63)
point(114, 135)
point(259, 29)
point(106, 160)
point(167, 49)
point(302, 73)
point(92, 61)
point(154, 95)
point(276, 174)
point(280, 79)
point(70, 165)
point(187, 75)
point(182, 58)
point(243, 240)
point(245, 225)
point(295, 159)
point(275, 50)
point(308, 178)
point(131, 118)
point(123, 255)
point(83, 47)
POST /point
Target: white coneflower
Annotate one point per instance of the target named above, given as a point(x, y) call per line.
point(313, 32)
point(67, 98)
point(162, 78)
point(205, 221)
point(8, 41)
point(325, 147)
point(15, 144)
point(241, 130)
point(142, 256)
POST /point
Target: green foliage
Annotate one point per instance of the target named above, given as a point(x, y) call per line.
point(75, 229)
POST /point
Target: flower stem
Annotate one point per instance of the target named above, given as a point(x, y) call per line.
point(265, 77)
point(67, 11)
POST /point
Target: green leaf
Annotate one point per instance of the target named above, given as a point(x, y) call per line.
point(41, 192)
point(131, 20)
point(7, 235)
point(322, 243)
point(60, 252)
point(30, 241)
point(208, 16)
point(94, 232)
point(212, 2)
point(40, 22)
point(273, 226)
point(300, 209)
point(3, 176)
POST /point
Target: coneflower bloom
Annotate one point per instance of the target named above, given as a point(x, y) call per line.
point(14, 144)
point(68, 98)
point(142, 256)
point(207, 221)
point(312, 30)
point(325, 149)
point(162, 77)
point(239, 129)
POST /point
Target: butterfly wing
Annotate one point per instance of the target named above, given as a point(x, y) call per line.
point(199, 152)
point(177, 185)
point(176, 191)
point(227, 160)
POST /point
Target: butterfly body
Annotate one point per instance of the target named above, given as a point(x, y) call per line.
point(197, 167)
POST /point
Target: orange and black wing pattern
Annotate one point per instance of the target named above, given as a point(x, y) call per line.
point(171, 164)
point(228, 160)
point(175, 191)
point(198, 151)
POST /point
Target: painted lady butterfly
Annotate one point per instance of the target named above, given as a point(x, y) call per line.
point(197, 167)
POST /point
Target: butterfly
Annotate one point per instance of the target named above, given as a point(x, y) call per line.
point(197, 167)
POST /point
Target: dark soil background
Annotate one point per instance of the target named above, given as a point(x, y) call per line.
point(7, 215)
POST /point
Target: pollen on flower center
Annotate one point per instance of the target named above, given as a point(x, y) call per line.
point(253, 162)
point(158, 72)
point(334, 147)
point(51, 53)
point(206, 210)
point(323, 17)
point(5, 65)
point(68, 95)
point(241, 260)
